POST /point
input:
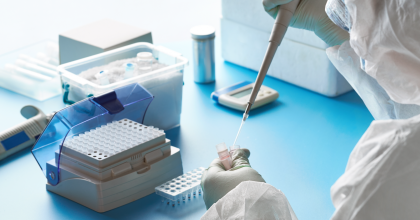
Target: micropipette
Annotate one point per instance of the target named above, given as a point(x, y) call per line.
point(281, 23)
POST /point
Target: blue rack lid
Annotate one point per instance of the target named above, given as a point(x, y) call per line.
point(129, 102)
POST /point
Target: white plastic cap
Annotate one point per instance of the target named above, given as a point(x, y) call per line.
point(101, 74)
point(145, 56)
point(202, 32)
point(221, 147)
point(129, 66)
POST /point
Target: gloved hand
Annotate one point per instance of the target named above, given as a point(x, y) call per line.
point(217, 182)
point(310, 15)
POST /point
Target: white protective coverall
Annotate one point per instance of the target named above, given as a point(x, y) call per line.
point(382, 63)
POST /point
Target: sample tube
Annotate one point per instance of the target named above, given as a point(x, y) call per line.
point(203, 53)
point(26, 73)
point(34, 67)
point(224, 155)
point(103, 77)
point(129, 70)
point(233, 148)
point(37, 62)
point(145, 60)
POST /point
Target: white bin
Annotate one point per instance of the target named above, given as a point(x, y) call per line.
point(165, 84)
point(300, 59)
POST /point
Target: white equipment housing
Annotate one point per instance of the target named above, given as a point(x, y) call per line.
point(237, 96)
point(103, 184)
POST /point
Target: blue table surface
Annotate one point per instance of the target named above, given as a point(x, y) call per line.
point(300, 144)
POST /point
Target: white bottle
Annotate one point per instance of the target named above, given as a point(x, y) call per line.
point(102, 76)
point(129, 70)
point(145, 61)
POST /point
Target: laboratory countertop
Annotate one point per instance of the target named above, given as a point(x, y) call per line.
point(299, 144)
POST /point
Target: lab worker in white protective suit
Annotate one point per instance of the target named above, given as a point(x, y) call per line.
point(375, 44)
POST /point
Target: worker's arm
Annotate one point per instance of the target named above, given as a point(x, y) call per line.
point(241, 192)
point(310, 15)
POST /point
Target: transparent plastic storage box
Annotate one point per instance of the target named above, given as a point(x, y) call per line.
point(165, 84)
point(24, 84)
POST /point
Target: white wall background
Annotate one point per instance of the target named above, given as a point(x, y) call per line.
point(23, 22)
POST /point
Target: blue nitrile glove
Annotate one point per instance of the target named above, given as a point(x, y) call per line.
point(310, 15)
point(217, 182)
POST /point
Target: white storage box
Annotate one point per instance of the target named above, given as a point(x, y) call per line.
point(165, 84)
point(300, 59)
point(99, 37)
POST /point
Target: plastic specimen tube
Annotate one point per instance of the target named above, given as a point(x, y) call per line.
point(34, 67)
point(145, 60)
point(203, 53)
point(224, 155)
point(103, 77)
point(129, 69)
point(233, 148)
point(26, 73)
point(37, 62)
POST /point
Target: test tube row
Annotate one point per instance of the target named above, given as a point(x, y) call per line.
point(181, 189)
point(112, 138)
point(144, 63)
point(41, 68)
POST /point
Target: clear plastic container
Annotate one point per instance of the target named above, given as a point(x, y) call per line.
point(27, 71)
point(182, 188)
point(165, 84)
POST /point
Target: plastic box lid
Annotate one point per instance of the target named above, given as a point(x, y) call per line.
point(70, 71)
point(129, 102)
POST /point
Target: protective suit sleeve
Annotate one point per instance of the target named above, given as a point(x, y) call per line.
point(252, 200)
point(382, 177)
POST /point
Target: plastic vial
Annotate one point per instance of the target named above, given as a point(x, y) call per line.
point(129, 70)
point(145, 60)
point(37, 62)
point(203, 53)
point(26, 73)
point(103, 77)
point(233, 148)
point(36, 68)
point(224, 155)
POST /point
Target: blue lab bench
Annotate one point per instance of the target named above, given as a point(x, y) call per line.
point(300, 144)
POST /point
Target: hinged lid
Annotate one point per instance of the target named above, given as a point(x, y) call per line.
point(129, 102)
